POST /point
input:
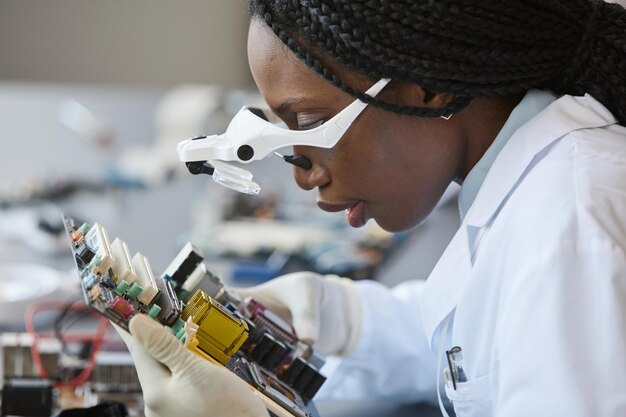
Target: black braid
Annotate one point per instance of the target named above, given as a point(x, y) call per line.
point(470, 48)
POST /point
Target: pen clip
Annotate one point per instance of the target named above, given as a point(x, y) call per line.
point(450, 369)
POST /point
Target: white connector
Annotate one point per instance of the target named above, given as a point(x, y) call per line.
point(195, 277)
point(98, 242)
point(186, 255)
point(145, 278)
point(122, 267)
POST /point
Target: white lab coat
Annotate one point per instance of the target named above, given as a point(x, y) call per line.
point(534, 284)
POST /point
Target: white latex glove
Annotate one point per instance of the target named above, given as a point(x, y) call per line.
point(176, 382)
point(325, 310)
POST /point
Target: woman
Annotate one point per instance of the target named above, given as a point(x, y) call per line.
point(521, 102)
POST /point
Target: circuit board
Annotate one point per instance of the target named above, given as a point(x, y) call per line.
point(213, 322)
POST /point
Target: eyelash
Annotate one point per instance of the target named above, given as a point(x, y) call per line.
point(310, 126)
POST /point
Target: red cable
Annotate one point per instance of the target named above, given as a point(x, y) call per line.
point(96, 340)
point(83, 376)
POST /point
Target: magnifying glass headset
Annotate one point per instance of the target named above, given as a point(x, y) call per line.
point(250, 136)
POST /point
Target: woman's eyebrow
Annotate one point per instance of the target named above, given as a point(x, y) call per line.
point(286, 105)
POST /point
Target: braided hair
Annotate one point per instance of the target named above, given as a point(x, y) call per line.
point(470, 48)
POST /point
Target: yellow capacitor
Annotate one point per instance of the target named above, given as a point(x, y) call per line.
point(220, 333)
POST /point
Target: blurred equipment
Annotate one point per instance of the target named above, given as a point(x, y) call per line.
point(183, 111)
point(271, 234)
point(45, 192)
point(21, 284)
point(244, 337)
point(113, 376)
point(88, 126)
point(39, 228)
point(27, 397)
point(79, 367)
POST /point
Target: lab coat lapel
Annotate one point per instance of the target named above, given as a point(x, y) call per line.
point(528, 145)
point(445, 283)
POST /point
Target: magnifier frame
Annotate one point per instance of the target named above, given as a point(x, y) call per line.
point(251, 137)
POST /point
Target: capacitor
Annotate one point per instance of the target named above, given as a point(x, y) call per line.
point(121, 287)
point(122, 306)
point(154, 311)
point(89, 280)
point(134, 290)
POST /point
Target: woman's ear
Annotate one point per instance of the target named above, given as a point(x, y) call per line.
point(409, 94)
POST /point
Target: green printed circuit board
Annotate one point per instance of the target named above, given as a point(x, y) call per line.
point(200, 311)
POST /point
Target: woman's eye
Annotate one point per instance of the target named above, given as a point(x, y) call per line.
point(309, 125)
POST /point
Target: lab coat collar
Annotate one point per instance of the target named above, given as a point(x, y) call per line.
point(450, 276)
point(563, 116)
point(533, 103)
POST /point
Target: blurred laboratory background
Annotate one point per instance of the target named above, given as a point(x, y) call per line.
point(94, 97)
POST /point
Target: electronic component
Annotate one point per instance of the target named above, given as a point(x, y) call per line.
point(246, 338)
point(265, 318)
point(121, 307)
point(121, 286)
point(209, 316)
point(145, 279)
point(213, 285)
point(183, 265)
point(84, 254)
point(263, 381)
point(194, 278)
point(122, 267)
point(168, 306)
point(96, 239)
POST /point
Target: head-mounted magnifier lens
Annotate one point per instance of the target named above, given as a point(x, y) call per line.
point(250, 136)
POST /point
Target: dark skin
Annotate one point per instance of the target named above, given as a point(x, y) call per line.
point(397, 166)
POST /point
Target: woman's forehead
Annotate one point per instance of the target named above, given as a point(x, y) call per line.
point(264, 48)
point(278, 73)
point(281, 76)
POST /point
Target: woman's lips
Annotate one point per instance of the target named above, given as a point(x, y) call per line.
point(356, 213)
point(333, 208)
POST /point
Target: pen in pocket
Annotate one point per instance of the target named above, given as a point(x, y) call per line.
point(456, 365)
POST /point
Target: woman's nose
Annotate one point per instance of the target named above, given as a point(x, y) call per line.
point(317, 176)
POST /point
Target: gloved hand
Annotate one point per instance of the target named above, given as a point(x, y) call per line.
point(176, 382)
point(325, 310)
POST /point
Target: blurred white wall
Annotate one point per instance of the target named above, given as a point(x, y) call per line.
point(159, 42)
